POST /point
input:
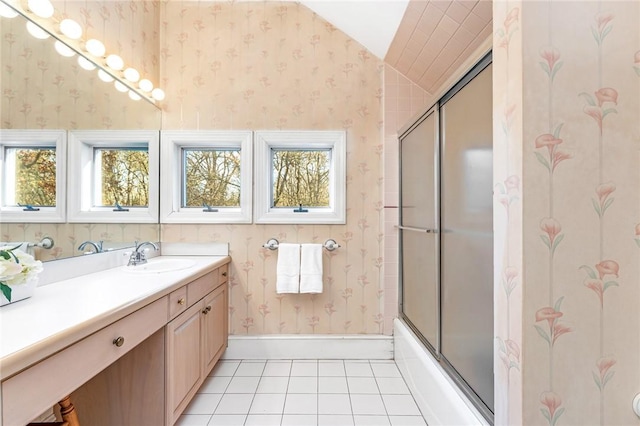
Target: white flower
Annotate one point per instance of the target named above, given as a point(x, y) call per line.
point(18, 272)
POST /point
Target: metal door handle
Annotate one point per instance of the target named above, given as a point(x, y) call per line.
point(410, 228)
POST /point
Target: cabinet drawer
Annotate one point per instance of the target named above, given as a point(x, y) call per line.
point(197, 289)
point(224, 273)
point(177, 302)
point(29, 393)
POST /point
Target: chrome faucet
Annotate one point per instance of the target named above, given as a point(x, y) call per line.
point(97, 247)
point(138, 256)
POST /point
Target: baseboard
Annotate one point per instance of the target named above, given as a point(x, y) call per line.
point(439, 399)
point(305, 346)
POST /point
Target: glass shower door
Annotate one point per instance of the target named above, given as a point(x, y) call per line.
point(418, 227)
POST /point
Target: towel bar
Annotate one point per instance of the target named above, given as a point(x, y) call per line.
point(329, 245)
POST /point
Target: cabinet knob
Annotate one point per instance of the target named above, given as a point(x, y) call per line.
point(206, 310)
point(118, 341)
point(181, 301)
point(224, 274)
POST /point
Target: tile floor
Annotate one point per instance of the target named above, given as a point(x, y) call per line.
point(302, 393)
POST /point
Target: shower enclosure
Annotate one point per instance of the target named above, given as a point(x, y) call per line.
point(446, 233)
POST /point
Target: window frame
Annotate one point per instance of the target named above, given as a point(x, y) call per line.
point(266, 141)
point(82, 172)
point(171, 164)
point(35, 139)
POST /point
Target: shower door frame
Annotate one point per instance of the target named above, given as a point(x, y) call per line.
point(435, 347)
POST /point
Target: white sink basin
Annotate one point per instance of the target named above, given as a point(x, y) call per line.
point(161, 265)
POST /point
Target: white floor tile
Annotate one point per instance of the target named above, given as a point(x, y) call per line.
point(277, 368)
point(203, 403)
point(225, 368)
point(234, 403)
point(398, 405)
point(358, 369)
point(367, 404)
point(333, 420)
point(273, 385)
point(215, 384)
point(332, 385)
point(299, 420)
point(243, 384)
point(385, 370)
point(301, 404)
point(407, 421)
point(329, 403)
point(267, 403)
point(227, 420)
point(304, 368)
point(193, 420)
point(362, 385)
point(371, 420)
point(248, 368)
point(263, 420)
point(303, 385)
point(392, 385)
point(331, 369)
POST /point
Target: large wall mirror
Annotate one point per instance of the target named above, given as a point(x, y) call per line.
point(43, 90)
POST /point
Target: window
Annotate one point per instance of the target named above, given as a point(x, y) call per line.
point(32, 175)
point(115, 176)
point(207, 175)
point(300, 177)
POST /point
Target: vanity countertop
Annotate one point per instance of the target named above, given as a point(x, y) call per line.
point(64, 312)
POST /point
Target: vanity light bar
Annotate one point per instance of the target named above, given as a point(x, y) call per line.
point(72, 30)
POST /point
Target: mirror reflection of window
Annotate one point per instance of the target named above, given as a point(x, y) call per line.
point(30, 177)
point(121, 177)
point(301, 177)
point(211, 177)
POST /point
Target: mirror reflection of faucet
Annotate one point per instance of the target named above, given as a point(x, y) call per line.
point(97, 247)
point(139, 256)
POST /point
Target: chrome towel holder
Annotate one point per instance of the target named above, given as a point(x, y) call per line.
point(329, 245)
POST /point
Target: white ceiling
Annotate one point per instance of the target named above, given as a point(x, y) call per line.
point(372, 23)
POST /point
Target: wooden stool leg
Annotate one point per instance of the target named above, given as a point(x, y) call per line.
point(68, 411)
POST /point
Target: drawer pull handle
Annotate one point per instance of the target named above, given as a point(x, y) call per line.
point(118, 341)
point(181, 301)
point(206, 310)
point(224, 274)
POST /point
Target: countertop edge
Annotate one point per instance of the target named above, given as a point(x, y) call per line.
point(21, 360)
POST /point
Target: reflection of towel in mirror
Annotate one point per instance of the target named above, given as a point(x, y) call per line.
point(21, 245)
point(311, 268)
point(288, 268)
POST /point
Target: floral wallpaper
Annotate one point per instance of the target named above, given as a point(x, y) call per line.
point(578, 135)
point(277, 65)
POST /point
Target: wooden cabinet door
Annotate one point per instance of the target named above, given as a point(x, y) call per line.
point(183, 360)
point(214, 330)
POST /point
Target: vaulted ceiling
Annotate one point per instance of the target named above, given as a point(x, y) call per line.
point(425, 40)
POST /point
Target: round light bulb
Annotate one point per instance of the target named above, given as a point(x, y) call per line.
point(157, 94)
point(86, 64)
point(36, 31)
point(105, 76)
point(63, 49)
point(134, 96)
point(95, 47)
point(145, 85)
point(42, 8)
point(132, 75)
point(7, 12)
point(120, 87)
point(115, 62)
point(71, 29)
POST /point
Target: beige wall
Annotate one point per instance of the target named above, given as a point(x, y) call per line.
point(567, 169)
point(277, 65)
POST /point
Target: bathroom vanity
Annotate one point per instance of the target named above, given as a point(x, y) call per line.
point(131, 346)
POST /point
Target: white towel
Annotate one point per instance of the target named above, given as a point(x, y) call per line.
point(311, 268)
point(288, 268)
